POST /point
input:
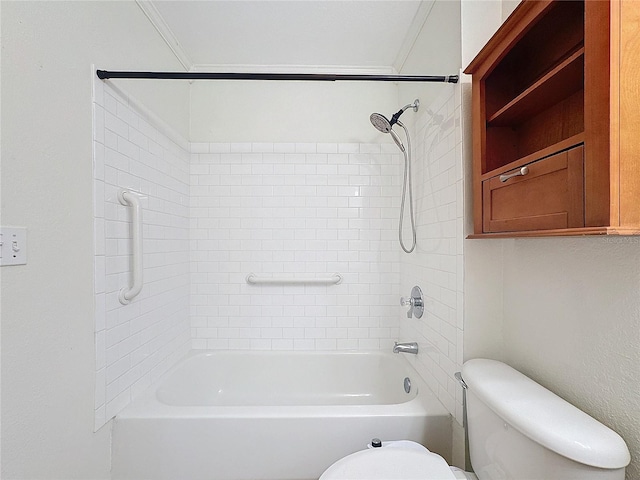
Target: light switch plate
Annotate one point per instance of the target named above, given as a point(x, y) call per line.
point(13, 246)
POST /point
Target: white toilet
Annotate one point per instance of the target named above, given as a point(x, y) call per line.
point(517, 430)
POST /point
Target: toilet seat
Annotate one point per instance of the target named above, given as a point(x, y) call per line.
point(390, 464)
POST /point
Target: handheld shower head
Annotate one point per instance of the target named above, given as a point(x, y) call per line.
point(380, 122)
point(384, 125)
point(396, 138)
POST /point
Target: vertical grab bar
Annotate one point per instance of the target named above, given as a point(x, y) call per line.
point(129, 199)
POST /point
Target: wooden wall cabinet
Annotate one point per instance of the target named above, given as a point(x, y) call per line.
point(556, 121)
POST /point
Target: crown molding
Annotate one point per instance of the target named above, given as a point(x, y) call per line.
point(157, 20)
point(413, 31)
point(159, 23)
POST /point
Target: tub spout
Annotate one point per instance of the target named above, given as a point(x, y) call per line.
point(407, 347)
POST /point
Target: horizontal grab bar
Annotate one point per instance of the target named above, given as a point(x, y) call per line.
point(253, 279)
point(130, 199)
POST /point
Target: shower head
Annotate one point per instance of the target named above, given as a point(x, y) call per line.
point(380, 122)
point(385, 126)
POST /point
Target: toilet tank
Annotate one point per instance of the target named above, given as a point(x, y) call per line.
point(520, 430)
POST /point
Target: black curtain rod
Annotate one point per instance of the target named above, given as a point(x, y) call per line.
point(105, 74)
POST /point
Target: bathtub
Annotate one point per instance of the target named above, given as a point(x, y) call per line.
point(272, 415)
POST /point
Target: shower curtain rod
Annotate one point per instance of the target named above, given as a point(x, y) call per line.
point(105, 74)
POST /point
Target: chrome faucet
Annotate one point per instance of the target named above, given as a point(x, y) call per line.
point(406, 347)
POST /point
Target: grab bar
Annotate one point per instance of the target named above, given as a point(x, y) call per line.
point(130, 199)
point(253, 279)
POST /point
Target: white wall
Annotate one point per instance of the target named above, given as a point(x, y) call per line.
point(138, 342)
point(253, 115)
point(304, 210)
point(327, 112)
point(436, 51)
point(480, 20)
point(572, 322)
point(289, 112)
point(508, 6)
point(292, 178)
point(438, 172)
point(563, 311)
point(436, 265)
point(234, 234)
point(48, 305)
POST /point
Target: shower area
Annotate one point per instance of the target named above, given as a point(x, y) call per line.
point(293, 219)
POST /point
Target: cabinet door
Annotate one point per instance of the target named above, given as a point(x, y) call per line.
point(549, 196)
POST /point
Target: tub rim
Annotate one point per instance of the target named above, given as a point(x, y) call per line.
point(146, 405)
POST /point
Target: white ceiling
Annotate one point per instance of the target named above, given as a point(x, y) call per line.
point(292, 35)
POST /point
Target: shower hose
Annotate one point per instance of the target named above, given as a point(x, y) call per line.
point(407, 180)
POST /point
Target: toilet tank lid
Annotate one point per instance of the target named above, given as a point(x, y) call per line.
point(543, 416)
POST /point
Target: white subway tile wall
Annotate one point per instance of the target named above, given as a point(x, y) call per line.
point(436, 264)
point(216, 212)
point(294, 209)
point(136, 343)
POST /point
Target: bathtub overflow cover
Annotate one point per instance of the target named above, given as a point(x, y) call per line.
point(407, 384)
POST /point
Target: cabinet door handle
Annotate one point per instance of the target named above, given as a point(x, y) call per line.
point(520, 173)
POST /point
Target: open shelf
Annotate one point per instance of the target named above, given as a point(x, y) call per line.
point(543, 45)
point(552, 126)
point(561, 82)
point(533, 94)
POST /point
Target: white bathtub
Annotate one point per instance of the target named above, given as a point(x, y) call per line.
point(272, 415)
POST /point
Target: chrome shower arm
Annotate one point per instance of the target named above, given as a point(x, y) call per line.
point(396, 117)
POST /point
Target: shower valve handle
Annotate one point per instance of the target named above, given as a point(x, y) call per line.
point(411, 302)
point(404, 301)
point(415, 303)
